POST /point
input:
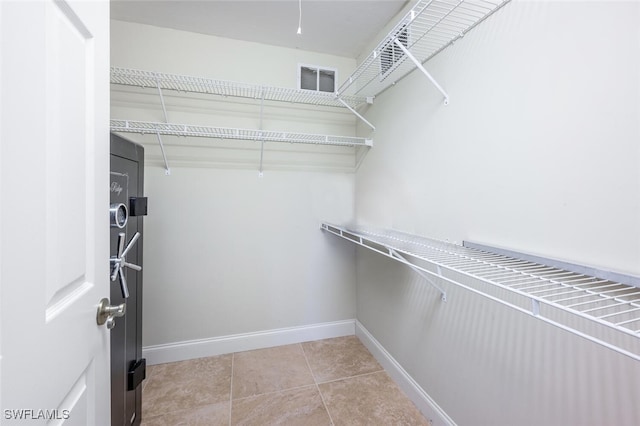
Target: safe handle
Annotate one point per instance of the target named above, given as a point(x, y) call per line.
point(119, 262)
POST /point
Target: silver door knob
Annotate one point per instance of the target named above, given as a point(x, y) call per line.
point(118, 262)
point(107, 313)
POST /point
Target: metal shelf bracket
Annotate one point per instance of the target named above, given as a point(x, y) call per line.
point(357, 114)
point(443, 294)
point(260, 171)
point(167, 170)
point(389, 252)
point(424, 71)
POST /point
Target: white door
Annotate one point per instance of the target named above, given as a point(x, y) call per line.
point(54, 154)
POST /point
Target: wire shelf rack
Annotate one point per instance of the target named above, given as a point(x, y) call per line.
point(428, 28)
point(601, 310)
point(155, 128)
point(190, 84)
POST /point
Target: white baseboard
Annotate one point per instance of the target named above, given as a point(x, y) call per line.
point(414, 391)
point(181, 351)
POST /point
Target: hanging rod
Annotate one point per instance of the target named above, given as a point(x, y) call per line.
point(427, 29)
point(146, 127)
point(602, 311)
point(185, 83)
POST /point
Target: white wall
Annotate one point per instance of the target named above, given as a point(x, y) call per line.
point(181, 52)
point(538, 151)
point(227, 252)
point(231, 253)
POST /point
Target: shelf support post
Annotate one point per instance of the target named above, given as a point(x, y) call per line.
point(424, 71)
point(357, 114)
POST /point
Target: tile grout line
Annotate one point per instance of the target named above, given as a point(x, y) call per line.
point(354, 377)
point(274, 391)
point(324, 403)
point(233, 356)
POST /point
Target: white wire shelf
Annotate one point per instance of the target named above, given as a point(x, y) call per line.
point(154, 128)
point(185, 83)
point(601, 310)
point(428, 28)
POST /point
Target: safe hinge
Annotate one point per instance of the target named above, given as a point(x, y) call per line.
point(137, 373)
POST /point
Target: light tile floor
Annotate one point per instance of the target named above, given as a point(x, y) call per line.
point(326, 382)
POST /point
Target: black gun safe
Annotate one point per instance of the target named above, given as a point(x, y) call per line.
point(128, 208)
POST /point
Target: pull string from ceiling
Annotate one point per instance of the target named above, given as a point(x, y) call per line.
point(300, 17)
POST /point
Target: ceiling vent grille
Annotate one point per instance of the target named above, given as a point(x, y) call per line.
point(391, 54)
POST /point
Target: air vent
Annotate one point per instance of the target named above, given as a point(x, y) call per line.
point(319, 79)
point(391, 55)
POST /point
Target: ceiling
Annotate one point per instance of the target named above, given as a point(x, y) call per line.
point(338, 27)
